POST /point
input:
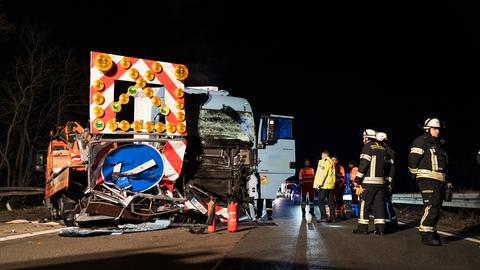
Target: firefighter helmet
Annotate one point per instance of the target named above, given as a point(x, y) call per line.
point(369, 133)
point(381, 136)
point(433, 123)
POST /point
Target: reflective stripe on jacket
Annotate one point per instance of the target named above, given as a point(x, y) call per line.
point(428, 158)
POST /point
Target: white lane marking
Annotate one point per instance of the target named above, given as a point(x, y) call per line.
point(451, 234)
point(25, 235)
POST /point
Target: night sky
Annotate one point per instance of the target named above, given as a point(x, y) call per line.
point(337, 68)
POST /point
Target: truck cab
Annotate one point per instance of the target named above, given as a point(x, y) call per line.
point(232, 160)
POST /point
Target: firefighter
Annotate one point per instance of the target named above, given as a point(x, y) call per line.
point(370, 178)
point(427, 162)
point(305, 177)
point(353, 172)
point(339, 188)
point(325, 181)
point(391, 222)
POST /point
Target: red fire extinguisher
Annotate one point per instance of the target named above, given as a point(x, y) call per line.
point(211, 216)
point(232, 217)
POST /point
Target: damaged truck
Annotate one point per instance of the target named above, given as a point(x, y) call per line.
point(155, 149)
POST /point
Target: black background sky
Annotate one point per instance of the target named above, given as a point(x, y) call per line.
point(337, 68)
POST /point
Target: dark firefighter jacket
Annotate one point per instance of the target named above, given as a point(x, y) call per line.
point(371, 170)
point(428, 159)
point(389, 166)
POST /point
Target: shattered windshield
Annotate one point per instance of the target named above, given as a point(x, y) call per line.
point(216, 124)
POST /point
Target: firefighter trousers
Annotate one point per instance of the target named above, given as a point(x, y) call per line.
point(373, 195)
point(431, 190)
point(340, 210)
point(322, 195)
point(307, 188)
point(391, 221)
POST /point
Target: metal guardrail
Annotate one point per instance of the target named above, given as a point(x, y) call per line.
point(20, 191)
point(461, 200)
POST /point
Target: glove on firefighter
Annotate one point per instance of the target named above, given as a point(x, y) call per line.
point(358, 190)
point(389, 189)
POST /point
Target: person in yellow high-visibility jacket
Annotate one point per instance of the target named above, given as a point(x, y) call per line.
point(325, 181)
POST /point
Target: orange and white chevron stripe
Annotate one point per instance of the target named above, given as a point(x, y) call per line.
point(105, 69)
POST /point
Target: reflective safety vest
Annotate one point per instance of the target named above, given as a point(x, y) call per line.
point(325, 175)
point(306, 175)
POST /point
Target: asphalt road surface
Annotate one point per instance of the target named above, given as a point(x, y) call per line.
point(290, 244)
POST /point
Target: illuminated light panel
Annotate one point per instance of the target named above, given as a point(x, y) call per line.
point(116, 107)
point(103, 62)
point(98, 98)
point(181, 72)
point(112, 125)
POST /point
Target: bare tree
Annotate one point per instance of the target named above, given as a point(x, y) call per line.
point(38, 88)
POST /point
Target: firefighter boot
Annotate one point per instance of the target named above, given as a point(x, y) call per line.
point(362, 229)
point(437, 236)
point(312, 211)
point(429, 239)
point(303, 211)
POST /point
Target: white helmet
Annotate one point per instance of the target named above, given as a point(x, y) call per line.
point(381, 136)
point(432, 123)
point(369, 133)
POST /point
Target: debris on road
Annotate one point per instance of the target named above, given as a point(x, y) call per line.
point(121, 229)
point(18, 221)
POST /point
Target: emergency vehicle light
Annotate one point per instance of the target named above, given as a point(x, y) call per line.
point(179, 92)
point(98, 99)
point(133, 73)
point(160, 127)
point(112, 125)
point(157, 67)
point(132, 91)
point(124, 99)
point(181, 72)
point(99, 124)
point(116, 107)
point(149, 75)
point(98, 85)
point(181, 128)
point(179, 105)
point(141, 82)
point(124, 125)
point(180, 116)
point(137, 126)
point(148, 92)
point(171, 128)
point(125, 63)
point(156, 101)
point(103, 62)
point(148, 126)
point(98, 111)
point(164, 110)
